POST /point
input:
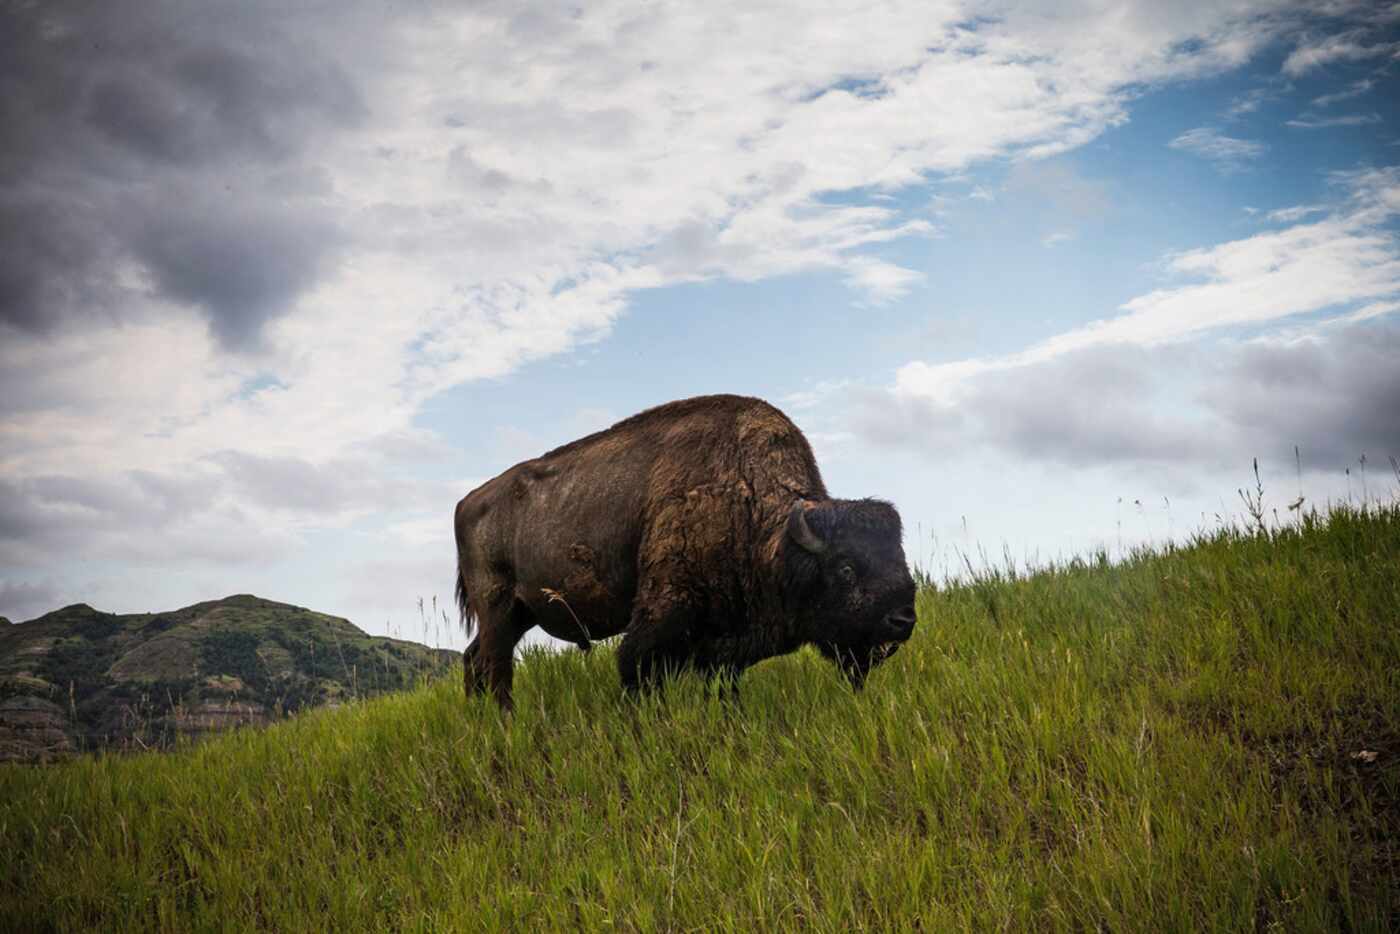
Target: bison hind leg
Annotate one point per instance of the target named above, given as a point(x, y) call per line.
point(489, 662)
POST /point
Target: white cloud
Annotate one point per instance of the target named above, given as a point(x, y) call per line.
point(1355, 89)
point(1349, 46)
point(881, 281)
point(1247, 103)
point(1227, 152)
point(1346, 258)
point(1318, 123)
point(1056, 238)
point(1295, 213)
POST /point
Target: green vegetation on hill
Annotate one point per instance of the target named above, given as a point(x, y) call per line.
point(1202, 739)
point(78, 679)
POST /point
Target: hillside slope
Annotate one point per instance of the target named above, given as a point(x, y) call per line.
point(78, 679)
point(1204, 739)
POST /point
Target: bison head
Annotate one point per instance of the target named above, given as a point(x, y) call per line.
point(852, 585)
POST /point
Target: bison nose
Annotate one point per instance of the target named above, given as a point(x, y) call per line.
point(901, 622)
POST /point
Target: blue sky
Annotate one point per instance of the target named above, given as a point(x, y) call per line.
point(277, 291)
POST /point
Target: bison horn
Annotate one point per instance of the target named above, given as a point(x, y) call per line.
point(801, 532)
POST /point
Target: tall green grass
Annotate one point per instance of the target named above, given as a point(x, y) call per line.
point(1204, 738)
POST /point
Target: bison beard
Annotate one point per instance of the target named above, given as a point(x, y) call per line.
point(700, 529)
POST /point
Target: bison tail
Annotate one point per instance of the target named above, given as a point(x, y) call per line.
point(463, 606)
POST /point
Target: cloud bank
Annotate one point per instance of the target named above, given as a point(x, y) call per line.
point(1141, 388)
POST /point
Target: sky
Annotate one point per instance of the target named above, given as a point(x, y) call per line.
point(279, 284)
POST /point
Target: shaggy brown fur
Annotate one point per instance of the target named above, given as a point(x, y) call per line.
point(701, 529)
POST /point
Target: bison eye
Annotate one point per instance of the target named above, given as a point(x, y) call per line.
point(847, 573)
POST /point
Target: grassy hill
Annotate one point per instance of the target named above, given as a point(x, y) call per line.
point(1203, 739)
point(78, 679)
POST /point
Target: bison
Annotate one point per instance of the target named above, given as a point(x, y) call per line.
point(699, 529)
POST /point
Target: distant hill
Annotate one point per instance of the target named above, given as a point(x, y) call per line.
point(78, 679)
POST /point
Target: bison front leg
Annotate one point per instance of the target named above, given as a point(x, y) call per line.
point(657, 642)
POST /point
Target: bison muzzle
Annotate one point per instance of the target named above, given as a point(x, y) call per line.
point(700, 530)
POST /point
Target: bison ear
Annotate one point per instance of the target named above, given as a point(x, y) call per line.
point(799, 531)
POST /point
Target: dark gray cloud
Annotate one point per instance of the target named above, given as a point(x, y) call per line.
point(210, 102)
point(65, 521)
point(1097, 406)
point(59, 509)
point(228, 514)
point(48, 255)
point(162, 137)
point(240, 266)
point(176, 83)
point(1335, 394)
point(20, 518)
point(1083, 409)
